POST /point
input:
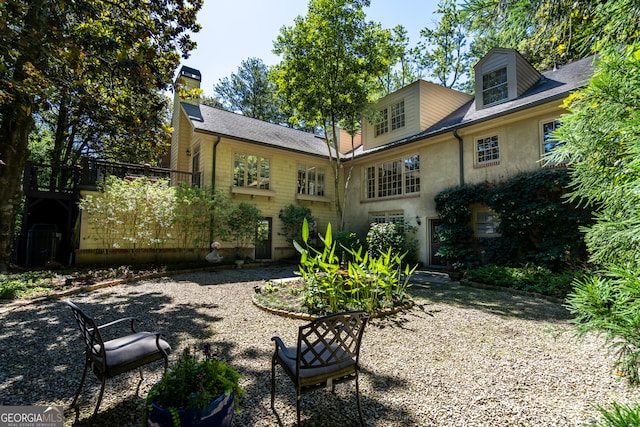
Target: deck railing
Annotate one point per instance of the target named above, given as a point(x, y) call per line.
point(91, 173)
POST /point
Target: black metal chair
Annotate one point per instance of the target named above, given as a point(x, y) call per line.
point(119, 355)
point(327, 352)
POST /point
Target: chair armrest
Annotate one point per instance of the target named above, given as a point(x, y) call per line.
point(280, 345)
point(142, 336)
point(124, 319)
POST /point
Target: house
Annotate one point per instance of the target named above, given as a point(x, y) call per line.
point(268, 165)
point(428, 138)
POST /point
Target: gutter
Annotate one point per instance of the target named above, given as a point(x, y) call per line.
point(460, 155)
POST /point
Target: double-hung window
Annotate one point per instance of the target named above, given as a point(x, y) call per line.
point(392, 116)
point(311, 180)
point(251, 171)
point(393, 178)
point(397, 115)
point(382, 126)
point(494, 86)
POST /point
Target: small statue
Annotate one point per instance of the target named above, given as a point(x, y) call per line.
point(214, 256)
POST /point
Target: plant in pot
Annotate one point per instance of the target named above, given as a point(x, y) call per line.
point(244, 226)
point(198, 390)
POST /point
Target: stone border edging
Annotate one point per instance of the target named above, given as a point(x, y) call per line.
point(306, 316)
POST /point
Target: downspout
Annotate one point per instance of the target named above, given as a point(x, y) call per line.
point(213, 168)
point(213, 184)
point(460, 155)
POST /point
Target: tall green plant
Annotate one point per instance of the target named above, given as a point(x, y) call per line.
point(602, 145)
point(365, 282)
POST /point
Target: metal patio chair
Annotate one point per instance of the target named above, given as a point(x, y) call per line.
point(327, 352)
point(116, 356)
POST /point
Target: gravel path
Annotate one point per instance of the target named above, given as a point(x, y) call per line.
point(461, 357)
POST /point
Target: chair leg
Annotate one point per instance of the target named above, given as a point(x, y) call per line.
point(273, 385)
point(84, 377)
point(95, 412)
point(298, 405)
point(358, 400)
point(139, 382)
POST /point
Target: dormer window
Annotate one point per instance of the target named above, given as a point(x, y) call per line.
point(494, 86)
point(382, 126)
point(397, 115)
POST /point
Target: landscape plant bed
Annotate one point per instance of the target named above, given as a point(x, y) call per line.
point(283, 298)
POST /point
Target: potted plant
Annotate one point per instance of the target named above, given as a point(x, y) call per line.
point(456, 270)
point(198, 390)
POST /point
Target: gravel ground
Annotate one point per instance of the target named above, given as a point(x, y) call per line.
point(461, 357)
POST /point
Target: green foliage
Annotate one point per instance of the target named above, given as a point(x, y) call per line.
point(242, 225)
point(454, 233)
point(250, 92)
point(370, 283)
point(399, 238)
point(619, 415)
point(537, 225)
point(292, 217)
point(442, 50)
point(610, 304)
point(131, 214)
point(199, 216)
point(346, 242)
point(551, 32)
point(331, 61)
point(140, 213)
point(529, 278)
point(193, 382)
point(603, 149)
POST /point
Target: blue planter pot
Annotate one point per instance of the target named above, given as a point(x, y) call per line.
point(217, 413)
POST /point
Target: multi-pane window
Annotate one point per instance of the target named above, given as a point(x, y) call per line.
point(393, 178)
point(487, 150)
point(548, 141)
point(386, 217)
point(412, 174)
point(251, 171)
point(397, 115)
point(311, 180)
point(393, 114)
point(494, 86)
point(487, 223)
point(382, 126)
point(390, 178)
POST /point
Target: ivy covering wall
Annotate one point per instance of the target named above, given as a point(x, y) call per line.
point(537, 224)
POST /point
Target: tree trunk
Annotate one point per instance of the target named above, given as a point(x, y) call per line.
point(17, 120)
point(13, 149)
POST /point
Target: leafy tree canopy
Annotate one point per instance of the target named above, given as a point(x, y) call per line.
point(98, 67)
point(331, 60)
point(250, 92)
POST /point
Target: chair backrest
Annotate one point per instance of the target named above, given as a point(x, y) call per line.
point(90, 333)
point(331, 340)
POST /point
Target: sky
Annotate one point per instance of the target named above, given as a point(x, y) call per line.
point(235, 30)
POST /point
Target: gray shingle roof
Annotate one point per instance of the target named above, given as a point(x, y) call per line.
point(236, 126)
point(554, 85)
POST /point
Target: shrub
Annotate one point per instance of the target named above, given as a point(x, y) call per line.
point(529, 278)
point(292, 217)
point(397, 237)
